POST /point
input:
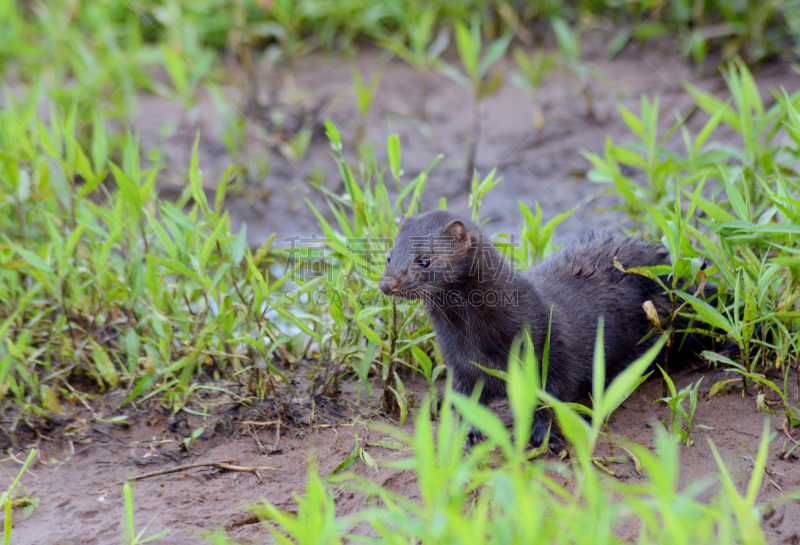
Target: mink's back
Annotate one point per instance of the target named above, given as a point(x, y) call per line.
point(581, 283)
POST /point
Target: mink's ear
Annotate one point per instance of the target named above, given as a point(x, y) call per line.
point(458, 231)
point(403, 222)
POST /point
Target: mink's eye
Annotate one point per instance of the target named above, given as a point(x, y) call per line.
point(425, 262)
point(388, 258)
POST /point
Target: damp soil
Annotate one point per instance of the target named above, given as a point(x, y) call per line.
point(241, 458)
point(433, 117)
point(84, 458)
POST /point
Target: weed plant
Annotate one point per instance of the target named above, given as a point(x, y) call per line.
point(533, 71)
point(726, 216)
point(483, 78)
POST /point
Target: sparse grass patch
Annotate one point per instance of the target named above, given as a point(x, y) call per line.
point(726, 216)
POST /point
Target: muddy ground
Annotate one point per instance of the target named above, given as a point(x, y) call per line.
point(77, 475)
point(544, 166)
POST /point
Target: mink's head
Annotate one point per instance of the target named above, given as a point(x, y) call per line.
point(431, 253)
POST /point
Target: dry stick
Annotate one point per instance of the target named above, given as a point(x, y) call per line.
point(389, 402)
point(786, 431)
point(668, 346)
point(80, 398)
point(220, 465)
point(254, 432)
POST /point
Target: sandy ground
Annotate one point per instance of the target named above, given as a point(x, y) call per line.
point(78, 475)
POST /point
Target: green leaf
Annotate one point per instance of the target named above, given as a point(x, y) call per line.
point(718, 386)
point(423, 360)
point(333, 135)
point(370, 334)
point(32, 259)
point(633, 122)
point(468, 51)
point(486, 421)
point(209, 245)
point(176, 68)
point(714, 106)
point(491, 86)
point(707, 130)
point(626, 382)
point(179, 268)
point(222, 190)
point(750, 308)
point(737, 203)
point(75, 237)
point(393, 445)
point(453, 73)
point(496, 50)
point(503, 375)
point(50, 399)
point(345, 465)
point(708, 314)
point(104, 364)
point(393, 150)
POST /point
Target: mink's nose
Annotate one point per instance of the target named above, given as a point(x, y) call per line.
point(388, 285)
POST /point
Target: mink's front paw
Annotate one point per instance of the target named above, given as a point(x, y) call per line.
point(473, 438)
point(542, 424)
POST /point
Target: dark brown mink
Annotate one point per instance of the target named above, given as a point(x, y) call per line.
point(478, 304)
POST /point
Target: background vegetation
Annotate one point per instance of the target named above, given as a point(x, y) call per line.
point(104, 285)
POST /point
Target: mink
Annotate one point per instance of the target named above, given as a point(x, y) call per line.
point(478, 303)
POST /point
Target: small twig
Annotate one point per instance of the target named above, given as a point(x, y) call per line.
point(117, 439)
point(111, 337)
point(80, 398)
point(254, 432)
point(768, 473)
point(786, 431)
point(220, 465)
point(272, 423)
point(95, 445)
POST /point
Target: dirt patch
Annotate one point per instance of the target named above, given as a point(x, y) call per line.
point(241, 458)
point(736, 432)
point(544, 165)
point(78, 474)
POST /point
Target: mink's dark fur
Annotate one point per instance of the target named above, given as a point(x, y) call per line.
point(478, 304)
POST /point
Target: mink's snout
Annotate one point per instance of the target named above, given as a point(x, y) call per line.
point(388, 285)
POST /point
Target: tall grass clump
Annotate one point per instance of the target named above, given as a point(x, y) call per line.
point(106, 286)
point(368, 328)
point(727, 213)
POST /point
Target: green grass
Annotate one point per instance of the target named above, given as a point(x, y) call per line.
point(105, 287)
